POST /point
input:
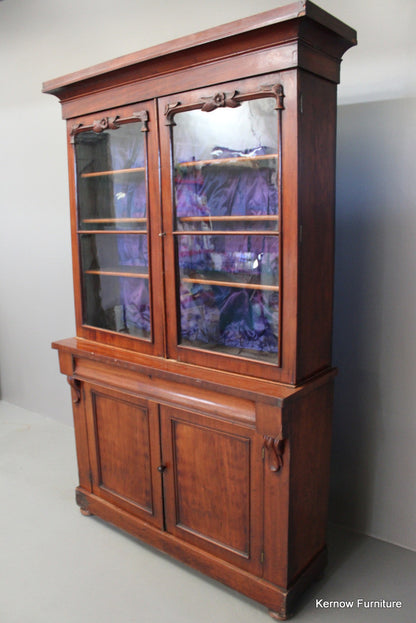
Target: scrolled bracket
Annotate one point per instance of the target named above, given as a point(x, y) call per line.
point(77, 127)
point(277, 91)
point(170, 111)
point(76, 389)
point(143, 116)
point(275, 448)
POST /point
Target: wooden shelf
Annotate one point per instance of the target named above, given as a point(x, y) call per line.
point(112, 172)
point(111, 231)
point(225, 232)
point(231, 284)
point(225, 219)
point(195, 163)
point(116, 220)
point(118, 273)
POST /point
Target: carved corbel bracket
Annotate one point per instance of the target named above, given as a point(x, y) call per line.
point(275, 448)
point(76, 389)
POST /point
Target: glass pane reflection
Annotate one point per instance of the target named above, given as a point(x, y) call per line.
point(111, 178)
point(112, 228)
point(117, 303)
point(227, 228)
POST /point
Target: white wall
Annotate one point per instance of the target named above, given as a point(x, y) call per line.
point(374, 337)
point(374, 461)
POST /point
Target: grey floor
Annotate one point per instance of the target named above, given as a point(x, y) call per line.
point(57, 566)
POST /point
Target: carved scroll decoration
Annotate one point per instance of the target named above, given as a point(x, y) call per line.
point(225, 100)
point(275, 448)
point(220, 100)
point(76, 389)
point(170, 110)
point(110, 123)
point(277, 91)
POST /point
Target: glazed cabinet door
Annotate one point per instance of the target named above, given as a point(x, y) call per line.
point(124, 448)
point(213, 485)
point(115, 227)
point(222, 217)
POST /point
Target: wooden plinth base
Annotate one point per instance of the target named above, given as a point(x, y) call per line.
point(280, 601)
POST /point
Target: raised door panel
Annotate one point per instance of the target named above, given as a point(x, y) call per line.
point(125, 449)
point(213, 486)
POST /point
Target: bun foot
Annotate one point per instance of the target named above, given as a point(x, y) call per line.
point(279, 616)
point(83, 503)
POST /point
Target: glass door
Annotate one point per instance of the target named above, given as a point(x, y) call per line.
point(225, 153)
point(113, 226)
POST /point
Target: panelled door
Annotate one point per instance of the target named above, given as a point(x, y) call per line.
point(123, 435)
point(213, 485)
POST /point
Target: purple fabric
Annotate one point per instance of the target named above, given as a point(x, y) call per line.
point(129, 192)
point(234, 317)
point(222, 315)
point(239, 190)
point(134, 295)
point(133, 251)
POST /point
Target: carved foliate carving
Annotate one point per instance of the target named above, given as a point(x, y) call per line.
point(225, 100)
point(220, 100)
point(107, 123)
point(110, 123)
point(275, 448)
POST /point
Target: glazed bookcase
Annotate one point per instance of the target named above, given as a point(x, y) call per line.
point(201, 176)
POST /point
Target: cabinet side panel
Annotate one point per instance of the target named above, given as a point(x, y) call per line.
point(289, 227)
point(317, 134)
point(310, 448)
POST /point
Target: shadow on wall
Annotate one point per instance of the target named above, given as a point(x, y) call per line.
point(374, 314)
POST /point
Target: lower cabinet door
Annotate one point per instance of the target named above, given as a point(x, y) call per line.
point(124, 445)
point(213, 482)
